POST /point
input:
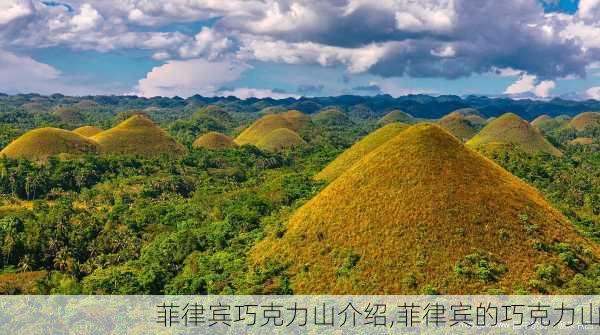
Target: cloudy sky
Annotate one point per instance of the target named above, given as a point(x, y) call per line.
point(280, 48)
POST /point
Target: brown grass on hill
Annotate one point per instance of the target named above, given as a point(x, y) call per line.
point(280, 139)
point(360, 149)
point(458, 125)
point(585, 120)
point(409, 215)
point(511, 129)
point(292, 120)
point(214, 140)
point(396, 116)
point(45, 142)
point(541, 120)
point(582, 141)
point(87, 131)
point(21, 283)
point(138, 136)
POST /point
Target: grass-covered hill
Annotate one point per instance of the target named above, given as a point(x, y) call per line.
point(585, 121)
point(213, 140)
point(332, 117)
point(582, 141)
point(87, 131)
point(396, 116)
point(138, 136)
point(510, 129)
point(422, 213)
point(360, 149)
point(280, 139)
point(292, 120)
point(45, 142)
point(458, 125)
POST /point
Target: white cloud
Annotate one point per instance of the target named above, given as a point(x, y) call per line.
point(277, 20)
point(589, 9)
point(245, 93)
point(161, 55)
point(189, 77)
point(529, 84)
point(207, 43)
point(593, 92)
point(87, 18)
point(444, 51)
point(13, 9)
point(357, 60)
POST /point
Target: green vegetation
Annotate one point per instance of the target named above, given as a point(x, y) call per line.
point(458, 125)
point(161, 212)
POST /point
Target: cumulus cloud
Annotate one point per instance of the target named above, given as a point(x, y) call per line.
point(13, 9)
point(529, 84)
point(207, 43)
point(87, 18)
point(185, 78)
point(593, 93)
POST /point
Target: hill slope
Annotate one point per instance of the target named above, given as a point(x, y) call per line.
point(87, 131)
point(422, 210)
point(44, 142)
point(138, 136)
point(396, 116)
point(332, 117)
point(585, 120)
point(458, 125)
point(280, 139)
point(357, 151)
point(213, 140)
point(292, 120)
point(511, 129)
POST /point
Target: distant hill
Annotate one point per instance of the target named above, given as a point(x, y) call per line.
point(45, 142)
point(510, 129)
point(585, 120)
point(360, 149)
point(292, 120)
point(87, 131)
point(332, 117)
point(421, 213)
point(396, 116)
point(138, 136)
point(280, 139)
point(458, 125)
point(214, 140)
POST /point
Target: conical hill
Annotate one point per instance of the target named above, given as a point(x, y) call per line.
point(44, 142)
point(422, 211)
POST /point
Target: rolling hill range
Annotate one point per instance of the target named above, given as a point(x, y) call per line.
point(421, 213)
point(510, 129)
point(138, 136)
point(332, 117)
point(214, 140)
point(361, 148)
point(45, 142)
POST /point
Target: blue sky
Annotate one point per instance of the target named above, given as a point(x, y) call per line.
point(539, 49)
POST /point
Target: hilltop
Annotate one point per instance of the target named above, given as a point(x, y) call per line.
point(213, 140)
point(45, 142)
point(87, 131)
point(585, 120)
point(280, 139)
point(292, 120)
point(458, 125)
point(510, 129)
point(422, 212)
point(138, 136)
point(332, 117)
point(396, 116)
point(360, 149)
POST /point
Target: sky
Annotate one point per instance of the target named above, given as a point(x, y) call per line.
point(290, 48)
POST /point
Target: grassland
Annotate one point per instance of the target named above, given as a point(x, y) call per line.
point(214, 140)
point(280, 139)
point(44, 142)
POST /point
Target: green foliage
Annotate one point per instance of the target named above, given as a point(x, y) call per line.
point(481, 266)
